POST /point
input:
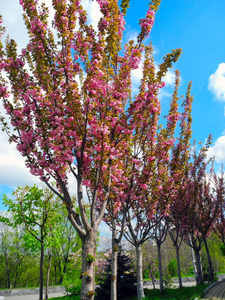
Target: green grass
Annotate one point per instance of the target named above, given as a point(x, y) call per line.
point(185, 293)
point(182, 276)
point(66, 298)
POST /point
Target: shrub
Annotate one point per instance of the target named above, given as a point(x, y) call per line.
point(125, 278)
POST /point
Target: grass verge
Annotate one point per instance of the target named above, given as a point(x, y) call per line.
point(185, 293)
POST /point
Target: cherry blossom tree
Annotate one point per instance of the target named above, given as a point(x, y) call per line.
point(219, 226)
point(150, 182)
point(201, 205)
point(68, 100)
point(139, 162)
point(179, 170)
point(149, 264)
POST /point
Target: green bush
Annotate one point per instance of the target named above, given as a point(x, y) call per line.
point(222, 249)
point(167, 280)
point(146, 274)
point(72, 284)
point(172, 267)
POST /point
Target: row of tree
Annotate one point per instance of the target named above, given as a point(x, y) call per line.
point(70, 110)
point(20, 259)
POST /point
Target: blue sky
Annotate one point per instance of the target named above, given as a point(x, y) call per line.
point(198, 27)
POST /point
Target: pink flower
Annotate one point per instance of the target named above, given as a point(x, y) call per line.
point(144, 186)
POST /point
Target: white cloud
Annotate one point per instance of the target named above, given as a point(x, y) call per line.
point(169, 80)
point(12, 12)
point(218, 150)
point(93, 11)
point(13, 171)
point(217, 82)
point(13, 20)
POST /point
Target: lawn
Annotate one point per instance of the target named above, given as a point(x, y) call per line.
point(185, 293)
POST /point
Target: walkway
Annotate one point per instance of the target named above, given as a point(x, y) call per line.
point(216, 291)
point(29, 297)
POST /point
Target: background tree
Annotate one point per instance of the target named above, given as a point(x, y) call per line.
point(13, 258)
point(179, 171)
point(148, 161)
point(150, 268)
point(35, 208)
point(64, 242)
point(219, 226)
point(200, 206)
point(159, 236)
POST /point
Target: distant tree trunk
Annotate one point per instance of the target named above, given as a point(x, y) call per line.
point(199, 267)
point(60, 272)
point(55, 273)
point(41, 271)
point(48, 274)
point(152, 276)
point(140, 286)
point(178, 266)
point(63, 271)
point(7, 272)
point(160, 267)
point(113, 292)
point(209, 259)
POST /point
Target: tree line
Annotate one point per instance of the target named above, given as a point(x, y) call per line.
point(36, 235)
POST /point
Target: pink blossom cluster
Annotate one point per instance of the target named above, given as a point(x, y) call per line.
point(147, 23)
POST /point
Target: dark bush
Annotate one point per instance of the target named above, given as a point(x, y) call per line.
point(126, 279)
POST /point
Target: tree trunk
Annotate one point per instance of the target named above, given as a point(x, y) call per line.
point(48, 274)
point(55, 271)
point(178, 266)
point(199, 267)
point(140, 286)
point(209, 260)
point(160, 268)
point(194, 264)
point(152, 277)
point(113, 292)
point(63, 273)
point(88, 265)
point(7, 273)
point(41, 272)
point(60, 272)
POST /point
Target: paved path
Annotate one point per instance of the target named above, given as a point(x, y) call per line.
point(217, 292)
point(29, 297)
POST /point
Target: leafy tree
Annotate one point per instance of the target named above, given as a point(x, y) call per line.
point(63, 243)
point(35, 208)
point(15, 259)
point(172, 267)
point(11, 258)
